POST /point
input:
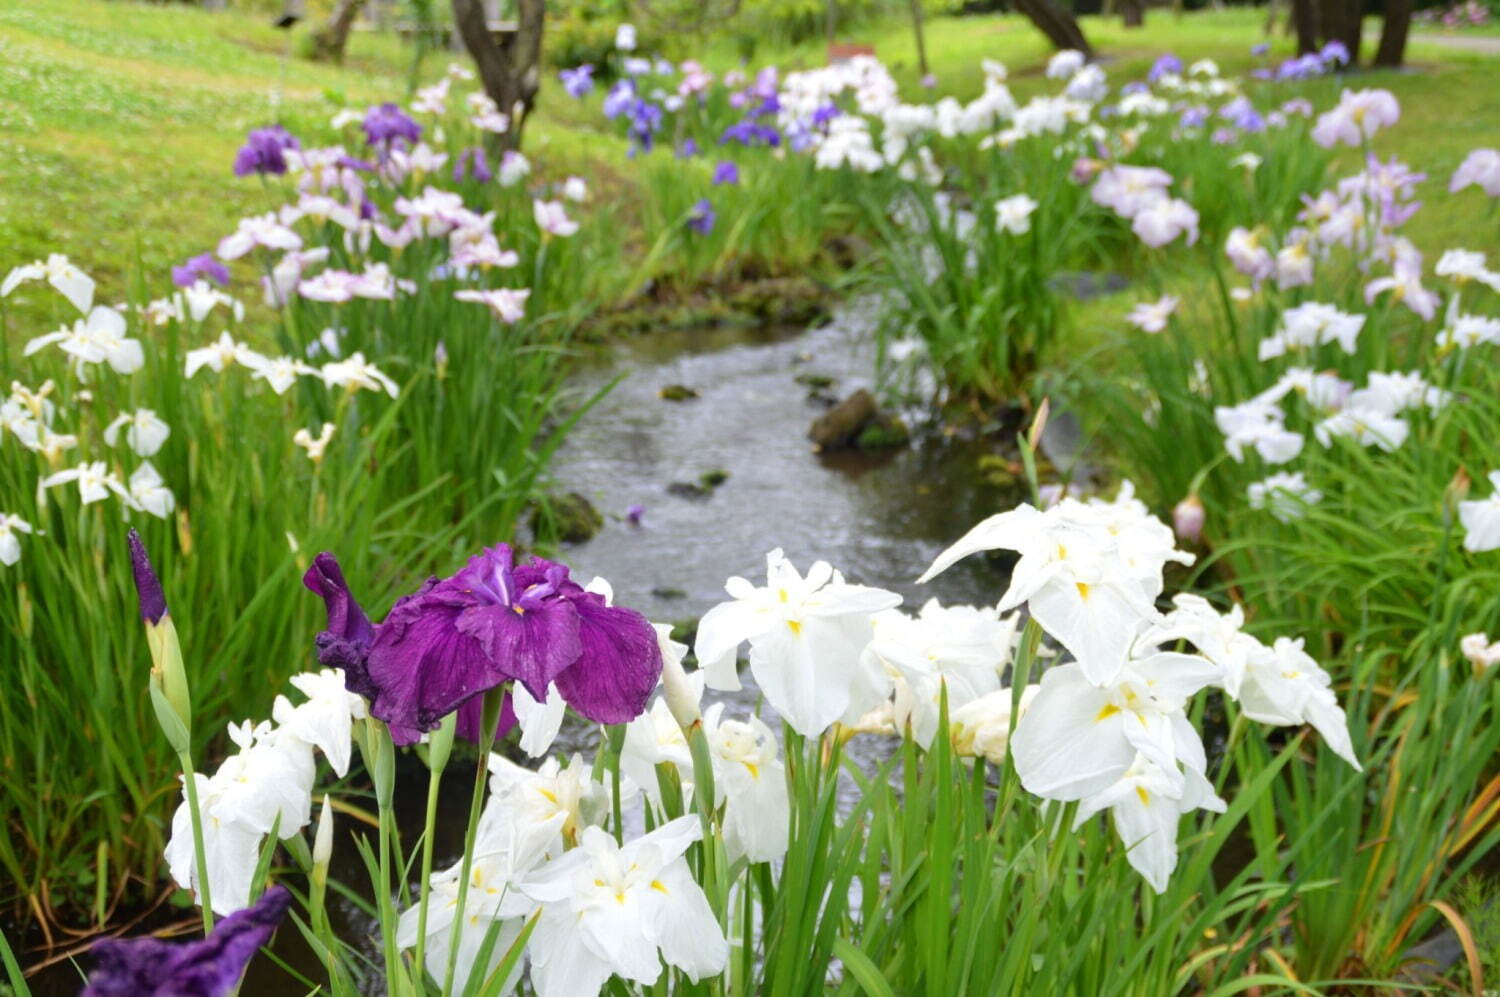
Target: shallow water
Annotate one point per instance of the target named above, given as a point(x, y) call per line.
point(880, 518)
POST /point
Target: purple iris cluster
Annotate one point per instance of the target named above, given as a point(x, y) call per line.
point(749, 133)
point(1243, 115)
point(1333, 56)
point(643, 117)
point(204, 267)
point(578, 81)
point(264, 151)
point(208, 967)
point(386, 124)
point(496, 621)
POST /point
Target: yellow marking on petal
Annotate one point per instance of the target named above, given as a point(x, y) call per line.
point(548, 795)
point(795, 627)
point(754, 770)
point(598, 882)
point(1109, 710)
point(657, 885)
point(620, 897)
point(1083, 590)
point(1291, 675)
point(1145, 796)
point(782, 595)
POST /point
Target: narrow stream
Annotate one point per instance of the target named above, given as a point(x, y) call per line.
point(880, 518)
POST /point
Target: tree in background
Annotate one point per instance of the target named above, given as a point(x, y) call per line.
point(1320, 22)
point(1057, 23)
point(329, 41)
point(510, 64)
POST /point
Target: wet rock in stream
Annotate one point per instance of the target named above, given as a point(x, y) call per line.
point(858, 422)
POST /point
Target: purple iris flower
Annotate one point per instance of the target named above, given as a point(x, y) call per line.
point(578, 82)
point(347, 639)
point(208, 967)
point(687, 149)
point(494, 622)
point(203, 267)
point(386, 123)
point(701, 218)
point(634, 513)
point(726, 172)
point(645, 121)
point(1335, 53)
point(1134, 86)
point(1260, 49)
point(264, 151)
point(1166, 64)
point(825, 114)
point(771, 105)
point(472, 162)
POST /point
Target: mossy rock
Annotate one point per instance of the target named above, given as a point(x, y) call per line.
point(817, 382)
point(714, 478)
point(571, 518)
point(677, 393)
point(885, 432)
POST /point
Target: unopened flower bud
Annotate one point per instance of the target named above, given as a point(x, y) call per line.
point(322, 852)
point(1187, 519)
point(168, 674)
point(681, 692)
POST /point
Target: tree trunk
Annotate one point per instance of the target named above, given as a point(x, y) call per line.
point(916, 22)
point(1305, 21)
point(328, 42)
point(1133, 13)
point(510, 68)
point(1059, 25)
point(1393, 29)
point(1353, 29)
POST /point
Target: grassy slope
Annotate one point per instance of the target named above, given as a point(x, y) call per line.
point(121, 119)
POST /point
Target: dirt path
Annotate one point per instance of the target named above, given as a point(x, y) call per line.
point(1486, 44)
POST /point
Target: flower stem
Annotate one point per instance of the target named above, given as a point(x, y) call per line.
point(190, 783)
point(439, 745)
point(493, 701)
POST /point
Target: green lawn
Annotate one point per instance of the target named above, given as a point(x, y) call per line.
point(121, 119)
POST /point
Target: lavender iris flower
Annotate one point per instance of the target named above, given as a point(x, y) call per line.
point(1335, 53)
point(645, 121)
point(687, 149)
point(1168, 63)
point(634, 513)
point(386, 123)
point(1260, 49)
point(702, 217)
point(619, 100)
point(494, 622)
point(1194, 117)
point(204, 267)
point(578, 82)
point(472, 162)
point(726, 172)
point(264, 151)
point(208, 967)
